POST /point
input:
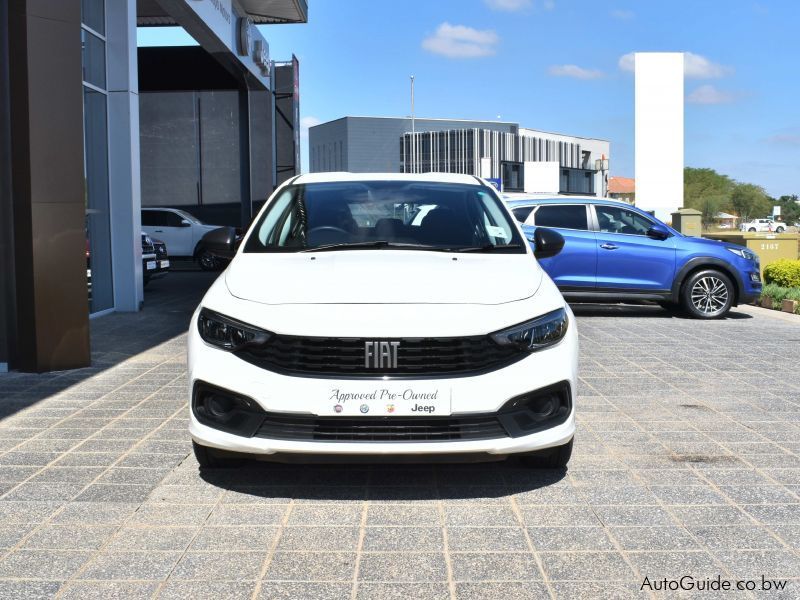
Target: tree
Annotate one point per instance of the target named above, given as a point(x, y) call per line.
point(790, 208)
point(707, 191)
point(749, 201)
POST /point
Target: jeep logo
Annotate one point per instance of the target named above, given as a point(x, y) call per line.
point(380, 355)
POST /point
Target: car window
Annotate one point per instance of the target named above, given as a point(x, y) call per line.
point(521, 213)
point(172, 219)
point(614, 219)
point(152, 218)
point(564, 216)
point(407, 214)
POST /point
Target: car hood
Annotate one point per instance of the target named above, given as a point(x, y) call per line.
point(382, 277)
point(713, 243)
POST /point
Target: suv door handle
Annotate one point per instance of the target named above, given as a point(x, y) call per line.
point(608, 246)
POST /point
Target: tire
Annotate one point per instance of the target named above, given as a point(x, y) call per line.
point(752, 230)
point(779, 230)
point(208, 458)
point(207, 261)
point(670, 307)
point(707, 294)
point(550, 458)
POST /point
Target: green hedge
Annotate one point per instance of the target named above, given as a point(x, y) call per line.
point(783, 272)
point(779, 294)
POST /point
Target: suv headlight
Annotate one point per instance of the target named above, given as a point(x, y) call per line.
point(742, 252)
point(228, 334)
point(536, 334)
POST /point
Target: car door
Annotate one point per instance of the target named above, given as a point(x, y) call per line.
point(176, 233)
point(627, 258)
point(575, 267)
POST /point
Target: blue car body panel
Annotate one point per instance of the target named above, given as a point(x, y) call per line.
point(608, 263)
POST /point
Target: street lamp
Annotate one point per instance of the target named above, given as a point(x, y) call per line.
point(413, 128)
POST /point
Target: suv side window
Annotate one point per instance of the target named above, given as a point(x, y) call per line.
point(613, 219)
point(172, 219)
point(564, 216)
point(151, 218)
point(521, 213)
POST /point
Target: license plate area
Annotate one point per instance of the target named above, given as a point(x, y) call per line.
point(386, 401)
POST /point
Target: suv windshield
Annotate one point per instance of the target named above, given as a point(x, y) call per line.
point(414, 215)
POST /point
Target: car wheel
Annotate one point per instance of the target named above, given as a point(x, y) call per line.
point(752, 229)
point(208, 262)
point(779, 230)
point(550, 458)
point(707, 294)
point(208, 458)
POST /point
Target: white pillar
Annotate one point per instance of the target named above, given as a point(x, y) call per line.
point(659, 132)
point(123, 167)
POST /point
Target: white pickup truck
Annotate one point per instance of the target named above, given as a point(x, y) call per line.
point(763, 225)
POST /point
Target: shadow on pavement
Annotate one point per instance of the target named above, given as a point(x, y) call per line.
point(652, 311)
point(385, 482)
point(168, 304)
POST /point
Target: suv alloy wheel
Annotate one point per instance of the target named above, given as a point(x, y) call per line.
point(707, 294)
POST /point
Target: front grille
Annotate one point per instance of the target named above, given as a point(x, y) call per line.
point(160, 250)
point(416, 357)
point(380, 429)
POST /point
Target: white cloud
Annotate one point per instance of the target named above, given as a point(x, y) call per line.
point(306, 122)
point(699, 67)
point(508, 5)
point(622, 14)
point(708, 94)
point(574, 71)
point(549, 5)
point(459, 41)
point(787, 137)
point(627, 62)
point(695, 66)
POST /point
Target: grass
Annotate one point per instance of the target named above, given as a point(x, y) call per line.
point(779, 294)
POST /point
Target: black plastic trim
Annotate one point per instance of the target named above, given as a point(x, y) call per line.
point(708, 262)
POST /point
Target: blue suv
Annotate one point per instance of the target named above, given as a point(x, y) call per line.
point(615, 251)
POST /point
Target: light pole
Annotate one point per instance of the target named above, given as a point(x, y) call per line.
point(413, 129)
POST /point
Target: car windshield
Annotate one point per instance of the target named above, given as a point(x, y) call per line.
point(414, 215)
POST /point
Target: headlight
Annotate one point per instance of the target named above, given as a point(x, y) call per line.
point(226, 333)
point(536, 334)
point(742, 252)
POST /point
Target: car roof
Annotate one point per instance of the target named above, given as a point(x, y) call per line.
point(426, 177)
point(514, 202)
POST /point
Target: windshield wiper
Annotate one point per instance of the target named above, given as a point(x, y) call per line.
point(486, 248)
point(371, 244)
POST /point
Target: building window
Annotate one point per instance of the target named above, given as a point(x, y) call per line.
point(95, 148)
point(577, 181)
point(512, 175)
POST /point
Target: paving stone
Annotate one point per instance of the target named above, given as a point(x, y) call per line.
point(405, 514)
point(244, 514)
point(216, 566)
point(570, 538)
point(69, 537)
point(174, 589)
point(586, 566)
point(108, 590)
point(404, 539)
point(653, 538)
point(402, 567)
point(486, 539)
point(505, 590)
point(673, 565)
point(42, 564)
point(735, 537)
point(313, 566)
point(332, 515)
point(143, 538)
point(28, 590)
point(288, 590)
point(341, 539)
point(235, 539)
point(494, 566)
point(95, 513)
point(130, 565)
point(478, 516)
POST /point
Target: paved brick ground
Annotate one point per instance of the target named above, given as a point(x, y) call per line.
point(687, 462)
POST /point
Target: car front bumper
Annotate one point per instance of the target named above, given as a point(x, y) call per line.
point(289, 395)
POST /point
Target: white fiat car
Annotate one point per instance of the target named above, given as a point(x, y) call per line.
point(347, 328)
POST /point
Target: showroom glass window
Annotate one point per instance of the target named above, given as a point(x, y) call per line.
point(95, 128)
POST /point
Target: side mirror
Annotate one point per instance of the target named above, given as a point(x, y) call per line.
point(220, 242)
point(546, 242)
point(658, 232)
point(185, 223)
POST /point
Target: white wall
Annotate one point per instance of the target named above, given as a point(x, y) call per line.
point(659, 132)
point(541, 177)
point(597, 149)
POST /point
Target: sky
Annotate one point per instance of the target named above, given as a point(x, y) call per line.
point(560, 66)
